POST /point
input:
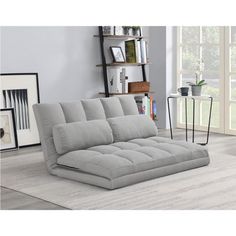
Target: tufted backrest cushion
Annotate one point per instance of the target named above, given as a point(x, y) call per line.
point(93, 109)
point(128, 105)
point(49, 115)
point(112, 107)
point(73, 111)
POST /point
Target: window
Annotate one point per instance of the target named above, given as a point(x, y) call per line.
point(230, 98)
point(216, 46)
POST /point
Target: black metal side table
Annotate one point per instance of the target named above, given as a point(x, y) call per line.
point(193, 98)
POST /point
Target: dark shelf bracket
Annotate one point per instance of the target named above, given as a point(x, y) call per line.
point(104, 66)
point(144, 73)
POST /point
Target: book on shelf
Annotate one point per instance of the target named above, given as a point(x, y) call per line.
point(143, 48)
point(136, 51)
point(130, 51)
point(147, 106)
point(154, 107)
point(151, 106)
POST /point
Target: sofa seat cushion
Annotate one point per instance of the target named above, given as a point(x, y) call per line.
point(124, 158)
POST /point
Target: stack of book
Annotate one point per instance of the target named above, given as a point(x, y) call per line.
point(136, 51)
point(147, 106)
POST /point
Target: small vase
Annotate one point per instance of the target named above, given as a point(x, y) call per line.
point(127, 31)
point(136, 32)
point(196, 90)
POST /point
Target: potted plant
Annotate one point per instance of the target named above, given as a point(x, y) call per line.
point(197, 86)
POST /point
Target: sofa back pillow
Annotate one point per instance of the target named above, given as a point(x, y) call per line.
point(81, 135)
point(125, 128)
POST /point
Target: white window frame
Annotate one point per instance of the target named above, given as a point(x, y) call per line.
point(228, 101)
point(224, 99)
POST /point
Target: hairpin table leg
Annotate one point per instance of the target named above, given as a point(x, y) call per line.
point(209, 123)
point(168, 105)
point(186, 119)
point(193, 120)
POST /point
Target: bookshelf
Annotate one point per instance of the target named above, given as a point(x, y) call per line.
point(150, 92)
point(120, 37)
point(106, 65)
point(123, 64)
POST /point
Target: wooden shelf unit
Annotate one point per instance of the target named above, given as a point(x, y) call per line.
point(127, 93)
point(105, 65)
point(117, 37)
point(123, 64)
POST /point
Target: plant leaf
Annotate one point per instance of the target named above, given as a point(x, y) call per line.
point(201, 82)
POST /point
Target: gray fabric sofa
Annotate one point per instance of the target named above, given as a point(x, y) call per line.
point(105, 142)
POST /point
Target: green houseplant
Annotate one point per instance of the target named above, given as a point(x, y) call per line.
point(197, 86)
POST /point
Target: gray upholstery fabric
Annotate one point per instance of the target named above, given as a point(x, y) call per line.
point(120, 159)
point(116, 164)
point(93, 109)
point(128, 105)
point(73, 111)
point(47, 116)
point(81, 135)
point(130, 127)
point(112, 107)
point(77, 175)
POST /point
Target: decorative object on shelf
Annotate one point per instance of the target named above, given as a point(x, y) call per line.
point(114, 80)
point(8, 135)
point(108, 30)
point(136, 30)
point(118, 30)
point(128, 30)
point(183, 91)
point(135, 87)
point(124, 81)
point(117, 54)
point(197, 86)
point(20, 91)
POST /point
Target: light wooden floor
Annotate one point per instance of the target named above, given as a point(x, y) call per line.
point(12, 200)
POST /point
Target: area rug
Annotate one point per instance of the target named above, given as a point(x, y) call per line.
point(209, 187)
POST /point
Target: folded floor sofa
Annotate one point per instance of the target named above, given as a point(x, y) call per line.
point(107, 143)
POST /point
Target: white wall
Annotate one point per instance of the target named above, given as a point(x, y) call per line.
point(162, 70)
point(64, 57)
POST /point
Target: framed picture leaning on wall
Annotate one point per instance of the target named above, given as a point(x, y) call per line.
point(20, 91)
point(117, 54)
point(8, 135)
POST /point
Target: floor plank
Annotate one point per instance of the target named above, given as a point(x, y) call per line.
point(14, 200)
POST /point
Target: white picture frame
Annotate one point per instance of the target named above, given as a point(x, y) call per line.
point(21, 91)
point(8, 135)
